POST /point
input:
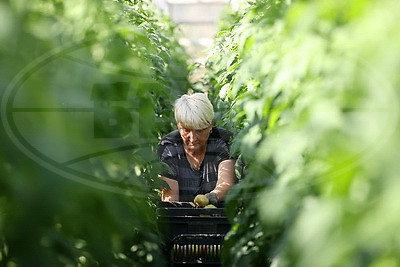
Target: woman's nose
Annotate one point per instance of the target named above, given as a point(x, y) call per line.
point(192, 136)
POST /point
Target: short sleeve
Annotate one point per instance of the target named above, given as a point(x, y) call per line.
point(223, 149)
point(169, 166)
point(225, 139)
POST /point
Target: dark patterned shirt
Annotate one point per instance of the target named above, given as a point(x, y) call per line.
point(191, 181)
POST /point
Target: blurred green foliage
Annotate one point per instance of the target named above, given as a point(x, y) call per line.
point(87, 89)
point(311, 88)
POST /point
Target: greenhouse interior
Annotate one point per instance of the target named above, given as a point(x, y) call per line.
point(200, 132)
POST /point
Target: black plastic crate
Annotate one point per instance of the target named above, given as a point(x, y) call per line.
point(192, 234)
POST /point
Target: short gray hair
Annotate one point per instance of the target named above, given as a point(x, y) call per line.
point(194, 111)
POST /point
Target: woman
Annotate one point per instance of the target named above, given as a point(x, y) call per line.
point(197, 154)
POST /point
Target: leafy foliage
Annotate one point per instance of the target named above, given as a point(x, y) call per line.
point(311, 90)
point(87, 89)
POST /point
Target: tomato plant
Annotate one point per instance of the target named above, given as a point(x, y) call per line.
point(310, 91)
point(87, 90)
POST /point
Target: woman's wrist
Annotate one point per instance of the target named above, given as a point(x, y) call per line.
point(213, 198)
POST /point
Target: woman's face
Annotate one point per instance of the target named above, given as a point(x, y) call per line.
point(194, 140)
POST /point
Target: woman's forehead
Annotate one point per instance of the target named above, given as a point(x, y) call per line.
point(183, 126)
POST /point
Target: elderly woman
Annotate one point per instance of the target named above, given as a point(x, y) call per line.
point(197, 154)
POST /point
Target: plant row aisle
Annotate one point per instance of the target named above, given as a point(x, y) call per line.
point(311, 88)
point(86, 92)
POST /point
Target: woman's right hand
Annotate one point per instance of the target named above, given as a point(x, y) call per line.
point(172, 194)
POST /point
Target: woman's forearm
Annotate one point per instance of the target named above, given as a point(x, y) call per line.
point(226, 178)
